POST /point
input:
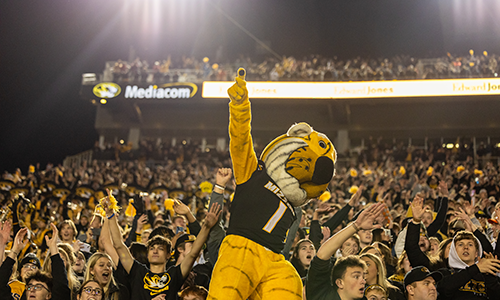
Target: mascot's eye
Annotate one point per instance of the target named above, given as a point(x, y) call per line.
point(322, 144)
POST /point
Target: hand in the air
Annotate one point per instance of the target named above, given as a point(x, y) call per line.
point(238, 92)
point(223, 176)
point(212, 216)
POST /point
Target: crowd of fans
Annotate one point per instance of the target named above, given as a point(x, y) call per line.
point(153, 150)
point(396, 222)
point(312, 68)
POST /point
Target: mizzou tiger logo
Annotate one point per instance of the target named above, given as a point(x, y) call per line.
point(156, 284)
point(84, 192)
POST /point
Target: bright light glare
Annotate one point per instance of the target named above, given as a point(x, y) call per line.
point(449, 146)
point(104, 101)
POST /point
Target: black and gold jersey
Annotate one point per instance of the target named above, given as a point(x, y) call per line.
point(260, 211)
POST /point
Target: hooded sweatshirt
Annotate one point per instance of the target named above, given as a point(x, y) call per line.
point(466, 282)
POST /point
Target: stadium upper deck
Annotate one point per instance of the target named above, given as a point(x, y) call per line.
point(157, 103)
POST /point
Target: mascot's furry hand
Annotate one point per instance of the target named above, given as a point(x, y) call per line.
point(238, 92)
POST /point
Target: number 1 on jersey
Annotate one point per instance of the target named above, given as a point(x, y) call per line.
point(278, 214)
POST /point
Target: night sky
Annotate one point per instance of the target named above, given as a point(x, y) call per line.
point(45, 47)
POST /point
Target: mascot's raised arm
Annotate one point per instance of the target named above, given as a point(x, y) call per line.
point(292, 169)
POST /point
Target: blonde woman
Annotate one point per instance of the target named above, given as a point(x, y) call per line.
point(100, 268)
point(376, 275)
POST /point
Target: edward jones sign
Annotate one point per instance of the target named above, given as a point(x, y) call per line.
point(358, 89)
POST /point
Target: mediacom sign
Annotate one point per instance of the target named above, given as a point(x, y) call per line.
point(360, 89)
point(175, 90)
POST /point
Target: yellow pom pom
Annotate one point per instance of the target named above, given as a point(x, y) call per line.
point(460, 168)
point(402, 170)
point(169, 204)
point(353, 189)
point(325, 196)
point(478, 172)
point(112, 203)
point(130, 211)
point(353, 172)
point(429, 171)
point(367, 172)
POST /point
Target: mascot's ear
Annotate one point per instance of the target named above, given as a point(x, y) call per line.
point(299, 130)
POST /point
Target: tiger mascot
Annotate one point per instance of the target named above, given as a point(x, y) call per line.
point(293, 168)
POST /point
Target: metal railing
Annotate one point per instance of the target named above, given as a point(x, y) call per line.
point(78, 159)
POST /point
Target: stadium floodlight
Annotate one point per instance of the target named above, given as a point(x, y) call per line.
point(104, 101)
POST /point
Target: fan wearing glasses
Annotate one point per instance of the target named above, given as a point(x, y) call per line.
point(90, 290)
point(39, 286)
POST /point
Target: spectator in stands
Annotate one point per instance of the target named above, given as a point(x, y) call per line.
point(90, 289)
point(67, 231)
point(420, 284)
point(193, 293)
point(376, 292)
point(100, 269)
point(302, 255)
point(376, 274)
point(80, 266)
point(40, 286)
point(365, 238)
point(350, 247)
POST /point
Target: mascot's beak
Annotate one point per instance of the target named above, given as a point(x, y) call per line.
point(323, 171)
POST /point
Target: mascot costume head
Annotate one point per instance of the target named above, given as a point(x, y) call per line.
point(301, 162)
point(292, 169)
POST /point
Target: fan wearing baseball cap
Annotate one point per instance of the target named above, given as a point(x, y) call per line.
point(420, 284)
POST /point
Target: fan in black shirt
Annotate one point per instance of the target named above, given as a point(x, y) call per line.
point(156, 281)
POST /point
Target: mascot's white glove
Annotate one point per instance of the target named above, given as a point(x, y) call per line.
point(238, 92)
